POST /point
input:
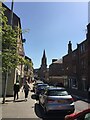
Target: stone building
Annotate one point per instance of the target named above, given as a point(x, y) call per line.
point(28, 70)
point(18, 73)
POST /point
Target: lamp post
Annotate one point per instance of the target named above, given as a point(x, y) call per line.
point(12, 12)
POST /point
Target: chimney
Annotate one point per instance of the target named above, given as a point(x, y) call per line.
point(69, 47)
point(88, 31)
point(53, 60)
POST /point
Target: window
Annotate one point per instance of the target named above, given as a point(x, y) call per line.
point(82, 48)
point(74, 69)
point(57, 93)
point(84, 83)
point(83, 64)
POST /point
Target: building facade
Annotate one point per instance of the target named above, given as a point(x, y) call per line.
point(56, 72)
point(77, 66)
point(17, 73)
point(28, 70)
point(74, 68)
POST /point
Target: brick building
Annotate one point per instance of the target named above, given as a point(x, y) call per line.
point(56, 72)
point(77, 66)
point(74, 68)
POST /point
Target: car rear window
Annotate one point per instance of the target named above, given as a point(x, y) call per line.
point(57, 93)
point(42, 86)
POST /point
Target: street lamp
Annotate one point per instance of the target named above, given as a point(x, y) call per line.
point(12, 12)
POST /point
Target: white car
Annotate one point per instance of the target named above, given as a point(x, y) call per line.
point(56, 99)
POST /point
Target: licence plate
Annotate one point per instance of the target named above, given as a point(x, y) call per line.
point(61, 101)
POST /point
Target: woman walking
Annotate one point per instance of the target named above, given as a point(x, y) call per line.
point(26, 88)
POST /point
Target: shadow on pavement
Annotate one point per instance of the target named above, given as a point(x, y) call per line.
point(18, 100)
point(8, 100)
point(40, 113)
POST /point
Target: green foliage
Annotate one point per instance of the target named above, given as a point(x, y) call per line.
point(29, 63)
point(10, 57)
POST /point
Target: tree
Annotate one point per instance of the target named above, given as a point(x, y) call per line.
point(10, 57)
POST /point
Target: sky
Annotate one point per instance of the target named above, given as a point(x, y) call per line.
point(51, 26)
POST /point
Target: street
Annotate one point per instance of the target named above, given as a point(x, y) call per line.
point(31, 108)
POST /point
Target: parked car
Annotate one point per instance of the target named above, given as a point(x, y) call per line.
point(36, 83)
point(40, 87)
point(56, 99)
point(82, 115)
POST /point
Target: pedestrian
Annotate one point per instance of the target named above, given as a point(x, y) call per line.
point(16, 89)
point(26, 88)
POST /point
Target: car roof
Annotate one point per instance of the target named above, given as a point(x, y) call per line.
point(39, 81)
point(56, 88)
point(42, 84)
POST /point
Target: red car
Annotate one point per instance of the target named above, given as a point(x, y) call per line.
point(82, 115)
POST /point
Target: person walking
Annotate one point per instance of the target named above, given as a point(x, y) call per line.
point(26, 88)
point(16, 89)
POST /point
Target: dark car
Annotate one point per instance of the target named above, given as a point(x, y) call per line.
point(40, 87)
point(82, 115)
point(36, 83)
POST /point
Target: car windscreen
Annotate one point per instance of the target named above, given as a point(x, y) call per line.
point(57, 93)
point(42, 86)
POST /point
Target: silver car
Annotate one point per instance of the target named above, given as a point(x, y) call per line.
point(56, 99)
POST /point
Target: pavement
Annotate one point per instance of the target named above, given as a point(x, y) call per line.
point(18, 109)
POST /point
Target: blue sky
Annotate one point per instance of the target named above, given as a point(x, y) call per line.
point(52, 25)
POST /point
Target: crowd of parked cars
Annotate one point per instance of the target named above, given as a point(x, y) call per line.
point(57, 99)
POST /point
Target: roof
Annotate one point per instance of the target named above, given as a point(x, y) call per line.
point(26, 57)
point(58, 61)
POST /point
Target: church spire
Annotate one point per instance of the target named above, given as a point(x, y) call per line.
point(43, 69)
point(44, 59)
point(44, 55)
